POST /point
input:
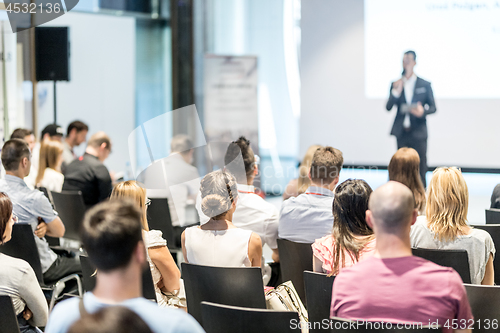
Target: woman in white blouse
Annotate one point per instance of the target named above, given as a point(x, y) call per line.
point(166, 274)
point(49, 167)
point(218, 242)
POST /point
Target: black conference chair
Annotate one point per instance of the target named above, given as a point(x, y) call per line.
point(22, 245)
point(237, 286)
point(295, 258)
point(339, 325)
point(159, 219)
point(89, 278)
point(8, 318)
point(218, 318)
point(494, 231)
point(71, 209)
point(456, 259)
point(492, 216)
point(319, 296)
point(485, 305)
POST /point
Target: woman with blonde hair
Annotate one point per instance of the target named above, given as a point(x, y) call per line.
point(299, 185)
point(218, 242)
point(444, 225)
point(166, 274)
point(49, 166)
point(404, 168)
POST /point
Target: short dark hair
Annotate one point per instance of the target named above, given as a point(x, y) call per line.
point(326, 164)
point(5, 213)
point(13, 151)
point(20, 133)
point(412, 53)
point(110, 233)
point(79, 125)
point(240, 146)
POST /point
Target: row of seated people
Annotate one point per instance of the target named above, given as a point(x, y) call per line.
point(219, 197)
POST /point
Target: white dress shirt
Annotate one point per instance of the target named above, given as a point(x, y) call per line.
point(409, 88)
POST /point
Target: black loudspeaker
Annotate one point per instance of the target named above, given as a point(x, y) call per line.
point(52, 53)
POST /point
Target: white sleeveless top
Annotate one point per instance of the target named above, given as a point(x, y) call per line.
point(222, 248)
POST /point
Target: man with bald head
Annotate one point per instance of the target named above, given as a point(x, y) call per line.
point(395, 286)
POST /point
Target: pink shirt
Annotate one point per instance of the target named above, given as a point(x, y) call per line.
point(324, 249)
point(406, 289)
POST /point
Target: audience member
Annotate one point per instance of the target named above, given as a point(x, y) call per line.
point(112, 235)
point(352, 240)
point(18, 280)
point(110, 319)
point(166, 274)
point(445, 225)
point(299, 185)
point(495, 197)
point(404, 168)
point(49, 167)
point(305, 218)
point(393, 285)
point(218, 242)
point(252, 212)
point(51, 132)
point(88, 174)
point(75, 135)
point(174, 178)
point(26, 135)
point(31, 206)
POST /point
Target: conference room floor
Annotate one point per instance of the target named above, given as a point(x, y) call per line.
point(480, 188)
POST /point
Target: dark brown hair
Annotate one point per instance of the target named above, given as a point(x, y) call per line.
point(5, 213)
point(350, 204)
point(240, 146)
point(110, 233)
point(13, 151)
point(20, 133)
point(78, 125)
point(109, 320)
point(404, 168)
point(326, 164)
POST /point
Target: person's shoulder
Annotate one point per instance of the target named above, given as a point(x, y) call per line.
point(256, 202)
point(423, 82)
point(160, 319)
point(15, 263)
point(63, 315)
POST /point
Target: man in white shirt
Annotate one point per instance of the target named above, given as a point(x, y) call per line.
point(307, 217)
point(414, 99)
point(75, 135)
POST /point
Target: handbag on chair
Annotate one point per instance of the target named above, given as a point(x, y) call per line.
point(285, 298)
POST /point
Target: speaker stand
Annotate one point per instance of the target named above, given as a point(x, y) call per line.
point(55, 103)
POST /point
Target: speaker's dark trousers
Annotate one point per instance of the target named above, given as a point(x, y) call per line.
point(407, 139)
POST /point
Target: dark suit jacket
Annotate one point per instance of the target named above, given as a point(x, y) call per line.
point(423, 94)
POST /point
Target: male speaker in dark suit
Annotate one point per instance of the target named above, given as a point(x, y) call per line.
point(415, 100)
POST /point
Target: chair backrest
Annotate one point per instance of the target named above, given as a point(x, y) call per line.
point(318, 295)
point(159, 219)
point(8, 319)
point(494, 231)
point(88, 270)
point(46, 193)
point(89, 278)
point(238, 286)
point(339, 325)
point(71, 209)
point(485, 305)
point(218, 318)
point(492, 216)
point(295, 258)
point(22, 245)
point(456, 259)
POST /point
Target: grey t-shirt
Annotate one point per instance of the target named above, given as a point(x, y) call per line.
point(478, 245)
point(18, 280)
